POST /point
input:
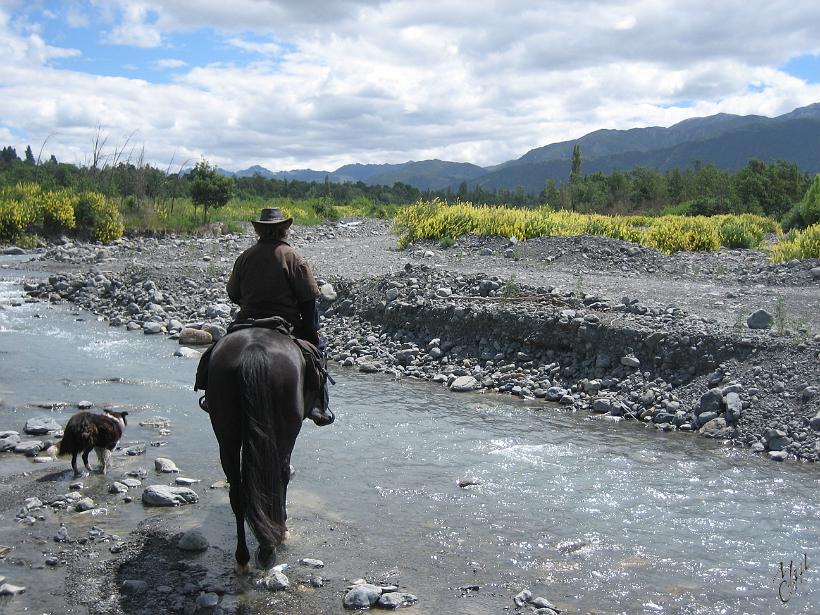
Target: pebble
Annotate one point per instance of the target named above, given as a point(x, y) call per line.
point(311, 563)
point(275, 581)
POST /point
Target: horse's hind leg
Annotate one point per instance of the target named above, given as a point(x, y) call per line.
point(230, 464)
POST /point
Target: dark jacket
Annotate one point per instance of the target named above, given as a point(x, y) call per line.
point(272, 279)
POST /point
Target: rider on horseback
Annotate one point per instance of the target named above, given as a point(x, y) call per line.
point(272, 279)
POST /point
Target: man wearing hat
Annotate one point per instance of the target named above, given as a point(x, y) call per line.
point(272, 279)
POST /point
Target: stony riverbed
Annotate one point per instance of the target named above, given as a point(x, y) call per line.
point(720, 345)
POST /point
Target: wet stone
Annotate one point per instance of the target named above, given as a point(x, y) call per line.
point(395, 600)
point(193, 540)
point(362, 596)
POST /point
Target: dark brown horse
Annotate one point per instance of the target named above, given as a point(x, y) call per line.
point(257, 400)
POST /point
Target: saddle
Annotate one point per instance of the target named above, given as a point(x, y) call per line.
point(316, 374)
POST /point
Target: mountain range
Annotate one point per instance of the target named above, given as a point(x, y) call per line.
point(724, 140)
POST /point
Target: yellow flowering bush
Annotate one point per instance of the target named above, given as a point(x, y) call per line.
point(435, 220)
point(805, 244)
point(101, 215)
point(18, 209)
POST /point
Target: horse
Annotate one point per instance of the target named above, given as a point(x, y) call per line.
point(257, 401)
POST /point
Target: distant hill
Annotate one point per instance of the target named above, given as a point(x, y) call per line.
point(725, 140)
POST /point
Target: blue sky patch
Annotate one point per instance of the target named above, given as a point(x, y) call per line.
point(178, 52)
point(806, 67)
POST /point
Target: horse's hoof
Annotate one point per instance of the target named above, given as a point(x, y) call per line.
point(265, 558)
point(242, 569)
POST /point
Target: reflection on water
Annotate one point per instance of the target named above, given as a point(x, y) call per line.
point(591, 514)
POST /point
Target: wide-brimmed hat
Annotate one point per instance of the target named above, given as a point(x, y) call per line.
point(271, 216)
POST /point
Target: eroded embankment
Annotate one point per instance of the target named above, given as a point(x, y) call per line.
point(616, 358)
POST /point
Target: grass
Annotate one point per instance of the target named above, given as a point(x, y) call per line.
point(182, 217)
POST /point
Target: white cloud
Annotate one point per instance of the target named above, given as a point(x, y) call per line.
point(134, 30)
point(269, 49)
point(171, 63)
point(377, 81)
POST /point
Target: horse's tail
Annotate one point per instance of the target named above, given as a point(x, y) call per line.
point(261, 471)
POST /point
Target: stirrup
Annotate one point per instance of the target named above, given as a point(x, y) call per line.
point(203, 403)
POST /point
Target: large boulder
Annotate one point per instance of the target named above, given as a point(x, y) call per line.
point(195, 337)
point(39, 425)
point(463, 384)
point(166, 495)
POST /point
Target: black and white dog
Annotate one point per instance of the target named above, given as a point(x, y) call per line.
point(86, 431)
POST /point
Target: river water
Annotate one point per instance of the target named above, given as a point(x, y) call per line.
point(593, 515)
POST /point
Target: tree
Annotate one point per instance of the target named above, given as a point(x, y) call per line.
point(29, 155)
point(208, 188)
point(575, 173)
point(550, 194)
point(8, 155)
point(810, 205)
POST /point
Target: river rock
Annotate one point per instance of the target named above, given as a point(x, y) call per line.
point(28, 447)
point(275, 581)
point(328, 293)
point(13, 251)
point(118, 487)
point(522, 597)
point(807, 394)
point(134, 451)
point(165, 465)
point(555, 393)
point(711, 401)
point(151, 328)
point(362, 596)
point(815, 423)
point(717, 428)
point(165, 495)
point(187, 353)
point(734, 407)
point(218, 310)
point(217, 331)
point(195, 337)
point(630, 361)
point(193, 540)
point(8, 443)
point(778, 455)
point(84, 504)
point(761, 319)
point(543, 603)
point(7, 589)
point(39, 425)
point(395, 600)
point(601, 405)
point(311, 563)
point(463, 384)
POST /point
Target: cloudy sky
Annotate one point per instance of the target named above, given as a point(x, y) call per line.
point(312, 83)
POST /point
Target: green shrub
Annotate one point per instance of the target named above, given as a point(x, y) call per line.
point(101, 216)
point(810, 205)
point(793, 218)
point(735, 232)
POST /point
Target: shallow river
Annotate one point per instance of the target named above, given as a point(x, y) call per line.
point(592, 515)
